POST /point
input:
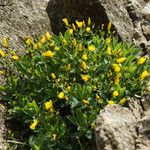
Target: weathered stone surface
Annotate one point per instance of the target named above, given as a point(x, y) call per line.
point(146, 102)
point(115, 129)
point(121, 128)
point(143, 128)
point(138, 11)
point(3, 145)
point(19, 19)
point(136, 107)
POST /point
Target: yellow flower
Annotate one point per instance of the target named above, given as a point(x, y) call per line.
point(65, 21)
point(5, 43)
point(64, 42)
point(39, 45)
point(48, 54)
point(115, 93)
point(93, 125)
point(141, 60)
point(119, 52)
point(53, 76)
point(34, 124)
point(84, 57)
point(117, 80)
point(88, 29)
point(74, 27)
point(89, 21)
point(120, 60)
point(74, 42)
point(122, 101)
point(54, 136)
point(85, 78)
point(43, 39)
point(61, 95)
point(144, 74)
point(108, 40)
point(28, 42)
point(79, 24)
point(68, 67)
point(15, 57)
point(109, 26)
point(91, 48)
point(84, 66)
point(80, 47)
point(97, 97)
point(116, 68)
point(70, 31)
point(2, 54)
point(68, 88)
point(2, 72)
point(48, 36)
point(111, 102)
point(35, 46)
point(109, 51)
point(49, 106)
point(86, 102)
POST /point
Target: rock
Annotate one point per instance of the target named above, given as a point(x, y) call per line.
point(115, 129)
point(143, 128)
point(19, 19)
point(119, 128)
point(146, 102)
point(130, 18)
point(135, 106)
point(3, 143)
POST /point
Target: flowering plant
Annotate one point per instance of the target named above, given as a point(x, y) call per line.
point(57, 88)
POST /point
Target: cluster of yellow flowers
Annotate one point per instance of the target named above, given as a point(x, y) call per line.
point(49, 106)
point(51, 53)
point(3, 54)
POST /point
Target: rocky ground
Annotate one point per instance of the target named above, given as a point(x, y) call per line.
point(120, 128)
point(117, 128)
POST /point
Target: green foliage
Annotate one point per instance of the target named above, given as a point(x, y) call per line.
point(57, 88)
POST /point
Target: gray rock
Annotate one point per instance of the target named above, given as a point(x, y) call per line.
point(19, 19)
point(143, 128)
point(115, 129)
point(146, 102)
point(135, 106)
point(3, 143)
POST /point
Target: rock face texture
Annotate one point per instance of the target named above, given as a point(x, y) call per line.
point(131, 18)
point(116, 129)
point(119, 128)
point(3, 145)
point(19, 19)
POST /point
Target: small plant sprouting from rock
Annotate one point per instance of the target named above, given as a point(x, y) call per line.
point(57, 88)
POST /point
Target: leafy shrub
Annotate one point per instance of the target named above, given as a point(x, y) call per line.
point(56, 89)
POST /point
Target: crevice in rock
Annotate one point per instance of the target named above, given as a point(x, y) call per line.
point(74, 10)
